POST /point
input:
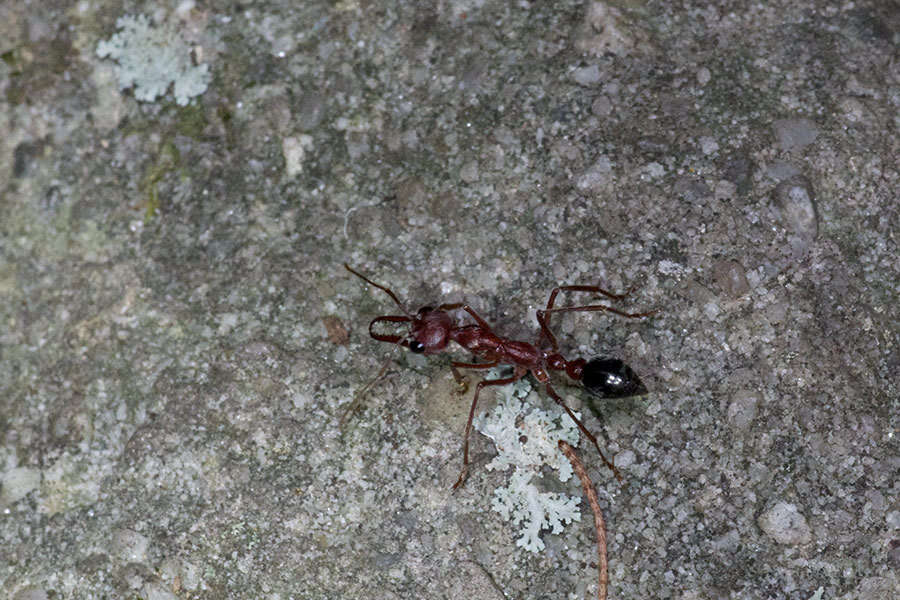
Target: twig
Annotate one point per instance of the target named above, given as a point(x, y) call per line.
point(599, 525)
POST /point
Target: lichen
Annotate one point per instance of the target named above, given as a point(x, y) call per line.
point(528, 440)
point(153, 58)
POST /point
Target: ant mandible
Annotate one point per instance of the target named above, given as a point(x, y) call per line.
point(432, 329)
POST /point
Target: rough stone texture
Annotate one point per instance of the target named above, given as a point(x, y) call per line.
point(179, 340)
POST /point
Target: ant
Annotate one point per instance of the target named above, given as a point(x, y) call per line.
point(432, 329)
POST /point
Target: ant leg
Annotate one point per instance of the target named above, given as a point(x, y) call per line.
point(603, 307)
point(595, 289)
point(468, 309)
point(517, 375)
point(543, 318)
point(544, 321)
point(552, 393)
point(356, 403)
point(461, 379)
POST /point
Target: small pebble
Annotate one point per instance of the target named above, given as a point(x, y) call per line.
point(731, 278)
point(794, 134)
point(703, 76)
point(743, 409)
point(796, 201)
point(784, 524)
point(469, 172)
point(587, 76)
point(129, 546)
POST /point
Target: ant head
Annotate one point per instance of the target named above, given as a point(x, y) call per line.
point(430, 331)
point(611, 378)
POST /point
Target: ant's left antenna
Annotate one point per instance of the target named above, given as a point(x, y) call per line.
point(380, 287)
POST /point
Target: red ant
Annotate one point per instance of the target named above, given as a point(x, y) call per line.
point(431, 329)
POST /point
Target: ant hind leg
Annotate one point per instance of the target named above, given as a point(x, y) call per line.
point(556, 398)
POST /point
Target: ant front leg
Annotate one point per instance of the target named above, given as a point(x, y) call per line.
point(357, 401)
point(468, 309)
point(460, 379)
point(517, 375)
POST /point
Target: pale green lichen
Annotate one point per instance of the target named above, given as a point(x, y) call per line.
point(153, 58)
point(528, 440)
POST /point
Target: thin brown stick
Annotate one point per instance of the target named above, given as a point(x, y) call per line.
point(599, 524)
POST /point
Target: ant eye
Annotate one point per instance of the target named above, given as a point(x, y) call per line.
point(417, 347)
point(425, 310)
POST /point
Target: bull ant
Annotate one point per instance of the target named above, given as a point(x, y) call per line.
point(432, 329)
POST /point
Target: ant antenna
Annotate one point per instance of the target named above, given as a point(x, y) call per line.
point(380, 287)
point(398, 343)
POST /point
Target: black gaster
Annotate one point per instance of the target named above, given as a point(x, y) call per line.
point(611, 378)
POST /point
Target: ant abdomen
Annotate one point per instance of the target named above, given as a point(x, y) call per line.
point(611, 378)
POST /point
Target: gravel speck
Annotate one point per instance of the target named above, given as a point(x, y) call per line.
point(796, 202)
point(587, 75)
point(794, 134)
point(731, 278)
point(743, 409)
point(784, 524)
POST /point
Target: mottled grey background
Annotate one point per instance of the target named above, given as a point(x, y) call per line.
point(178, 338)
